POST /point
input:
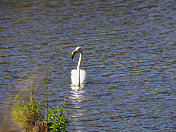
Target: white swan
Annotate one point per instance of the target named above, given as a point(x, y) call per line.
point(78, 76)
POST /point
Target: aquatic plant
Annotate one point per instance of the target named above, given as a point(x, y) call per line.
point(58, 117)
point(26, 114)
point(30, 115)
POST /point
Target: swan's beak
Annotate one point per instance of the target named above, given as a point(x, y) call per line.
point(73, 54)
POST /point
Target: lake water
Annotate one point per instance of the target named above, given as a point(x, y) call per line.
point(129, 53)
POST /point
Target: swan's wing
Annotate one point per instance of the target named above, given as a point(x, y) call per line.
point(74, 78)
point(83, 76)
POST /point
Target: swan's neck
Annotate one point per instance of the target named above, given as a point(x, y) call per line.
point(79, 62)
point(78, 69)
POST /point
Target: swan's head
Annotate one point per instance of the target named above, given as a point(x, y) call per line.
point(77, 50)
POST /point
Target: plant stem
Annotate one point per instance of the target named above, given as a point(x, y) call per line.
point(47, 95)
point(31, 93)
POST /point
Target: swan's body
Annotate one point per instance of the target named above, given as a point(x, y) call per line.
point(74, 77)
point(78, 76)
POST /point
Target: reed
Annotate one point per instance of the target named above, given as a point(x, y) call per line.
point(31, 115)
point(26, 114)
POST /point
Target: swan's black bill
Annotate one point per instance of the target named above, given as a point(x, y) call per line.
point(73, 54)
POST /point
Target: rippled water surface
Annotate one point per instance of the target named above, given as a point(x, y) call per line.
point(129, 53)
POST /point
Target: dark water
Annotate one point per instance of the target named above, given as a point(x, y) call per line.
point(129, 53)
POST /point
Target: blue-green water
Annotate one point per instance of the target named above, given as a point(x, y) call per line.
point(129, 53)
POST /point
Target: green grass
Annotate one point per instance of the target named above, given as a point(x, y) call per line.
point(26, 114)
point(58, 117)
